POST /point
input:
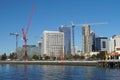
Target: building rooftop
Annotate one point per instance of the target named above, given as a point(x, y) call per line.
point(116, 36)
point(52, 32)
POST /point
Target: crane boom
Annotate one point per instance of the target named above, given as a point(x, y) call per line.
point(92, 24)
point(30, 19)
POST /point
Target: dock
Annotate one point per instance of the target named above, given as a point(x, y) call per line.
point(109, 63)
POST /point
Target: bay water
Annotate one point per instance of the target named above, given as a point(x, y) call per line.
point(54, 72)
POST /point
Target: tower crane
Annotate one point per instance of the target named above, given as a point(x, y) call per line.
point(91, 24)
point(76, 25)
point(24, 34)
point(16, 34)
point(86, 37)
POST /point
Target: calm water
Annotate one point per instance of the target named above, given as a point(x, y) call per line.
point(48, 72)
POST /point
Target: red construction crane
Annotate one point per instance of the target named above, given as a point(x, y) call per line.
point(24, 34)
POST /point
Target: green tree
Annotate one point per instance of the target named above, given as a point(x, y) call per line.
point(68, 56)
point(101, 55)
point(94, 57)
point(82, 57)
point(13, 56)
point(47, 57)
point(40, 57)
point(35, 57)
point(76, 57)
point(4, 57)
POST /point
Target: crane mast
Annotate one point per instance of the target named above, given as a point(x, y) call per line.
point(16, 34)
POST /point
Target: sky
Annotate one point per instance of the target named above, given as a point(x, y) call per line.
point(50, 14)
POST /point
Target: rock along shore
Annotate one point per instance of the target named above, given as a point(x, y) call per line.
point(71, 63)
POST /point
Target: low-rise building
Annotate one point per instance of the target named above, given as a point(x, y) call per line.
point(115, 44)
point(31, 50)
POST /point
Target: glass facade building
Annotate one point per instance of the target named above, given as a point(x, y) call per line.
point(31, 50)
point(101, 44)
point(67, 39)
point(92, 39)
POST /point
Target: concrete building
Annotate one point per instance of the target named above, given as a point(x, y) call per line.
point(39, 44)
point(67, 39)
point(115, 44)
point(93, 41)
point(101, 44)
point(74, 50)
point(86, 43)
point(53, 43)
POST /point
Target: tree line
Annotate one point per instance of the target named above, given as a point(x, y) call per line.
point(13, 56)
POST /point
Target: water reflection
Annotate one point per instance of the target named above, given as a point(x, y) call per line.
point(50, 72)
point(53, 72)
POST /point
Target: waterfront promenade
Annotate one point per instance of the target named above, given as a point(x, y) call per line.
point(109, 63)
point(72, 63)
point(100, 63)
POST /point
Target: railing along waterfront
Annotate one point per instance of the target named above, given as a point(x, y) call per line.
point(72, 63)
point(99, 63)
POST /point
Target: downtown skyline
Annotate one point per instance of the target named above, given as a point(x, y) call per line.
point(49, 15)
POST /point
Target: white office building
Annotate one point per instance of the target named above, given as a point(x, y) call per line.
point(53, 43)
point(115, 44)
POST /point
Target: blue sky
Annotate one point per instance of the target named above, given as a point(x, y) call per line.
point(50, 14)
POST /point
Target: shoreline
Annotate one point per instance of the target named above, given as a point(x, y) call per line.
point(70, 63)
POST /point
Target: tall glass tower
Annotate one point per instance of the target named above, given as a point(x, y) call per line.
point(93, 41)
point(67, 39)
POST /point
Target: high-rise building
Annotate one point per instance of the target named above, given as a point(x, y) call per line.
point(67, 39)
point(86, 43)
point(53, 43)
point(115, 43)
point(101, 44)
point(93, 41)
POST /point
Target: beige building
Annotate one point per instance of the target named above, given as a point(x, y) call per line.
point(86, 40)
point(53, 43)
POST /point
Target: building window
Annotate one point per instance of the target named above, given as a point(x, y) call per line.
point(103, 44)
